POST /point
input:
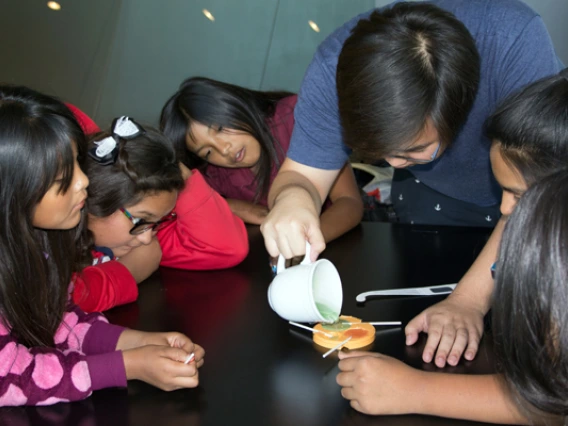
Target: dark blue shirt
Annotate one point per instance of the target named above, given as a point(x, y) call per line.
point(515, 49)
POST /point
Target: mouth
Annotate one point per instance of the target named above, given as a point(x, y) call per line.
point(240, 155)
point(80, 205)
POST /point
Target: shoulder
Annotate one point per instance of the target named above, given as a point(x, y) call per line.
point(483, 17)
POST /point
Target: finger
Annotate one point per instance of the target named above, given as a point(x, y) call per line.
point(284, 246)
point(179, 340)
point(446, 343)
point(199, 352)
point(345, 379)
point(414, 328)
point(434, 336)
point(186, 381)
point(473, 343)
point(348, 393)
point(353, 354)
point(462, 337)
point(347, 365)
point(317, 242)
point(174, 354)
point(271, 245)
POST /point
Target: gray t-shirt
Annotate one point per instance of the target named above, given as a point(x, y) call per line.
point(515, 49)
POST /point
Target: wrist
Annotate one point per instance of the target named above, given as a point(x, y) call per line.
point(466, 300)
point(298, 196)
point(130, 364)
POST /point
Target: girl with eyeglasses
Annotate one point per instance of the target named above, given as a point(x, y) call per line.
point(50, 350)
point(146, 210)
point(239, 137)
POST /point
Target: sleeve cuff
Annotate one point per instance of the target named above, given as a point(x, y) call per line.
point(107, 370)
point(102, 338)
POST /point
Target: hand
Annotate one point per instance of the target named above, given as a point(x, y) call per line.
point(161, 366)
point(452, 326)
point(377, 384)
point(293, 220)
point(132, 339)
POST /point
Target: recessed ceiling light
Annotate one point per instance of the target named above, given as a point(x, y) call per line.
point(314, 26)
point(208, 15)
point(53, 5)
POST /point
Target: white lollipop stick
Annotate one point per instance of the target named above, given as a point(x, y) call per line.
point(309, 328)
point(189, 358)
point(337, 347)
point(377, 323)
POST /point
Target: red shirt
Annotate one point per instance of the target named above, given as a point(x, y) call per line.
point(241, 184)
point(205, 235)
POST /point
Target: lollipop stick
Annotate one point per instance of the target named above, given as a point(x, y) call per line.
point(337, 347)
point(309, 328)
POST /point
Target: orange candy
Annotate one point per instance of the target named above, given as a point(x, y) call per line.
point(361, 334)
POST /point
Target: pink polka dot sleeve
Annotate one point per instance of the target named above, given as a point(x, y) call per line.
point(84, 359)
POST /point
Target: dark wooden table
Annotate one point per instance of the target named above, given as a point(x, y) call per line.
point(258, 370)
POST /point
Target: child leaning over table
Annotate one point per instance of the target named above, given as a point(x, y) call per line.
point(145, 209)
point(50, 350)
point(529, 132)
point(530, 333)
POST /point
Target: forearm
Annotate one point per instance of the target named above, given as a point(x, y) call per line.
point(476, 286)
point(482, 398)
point(344, 214)
point(143, 260)
point(249, 212)
point(290, 184)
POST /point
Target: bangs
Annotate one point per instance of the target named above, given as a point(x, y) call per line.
point(52, 151)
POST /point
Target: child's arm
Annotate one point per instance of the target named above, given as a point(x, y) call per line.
point(103, 286)
point(377, 384)
point(456, 323)
point(44, 376)
point(206, 234)
point(249, 212)
point(346, 211)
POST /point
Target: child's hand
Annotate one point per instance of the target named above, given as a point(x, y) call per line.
point(176, 340)
point(132, 339)
point(161, 366)
point(378, 384)
point(452, 328)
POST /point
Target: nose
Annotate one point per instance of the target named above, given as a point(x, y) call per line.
point(508, 203)
point(397, 163)
point(226, 149)
point(145, 237)
point(81, 179)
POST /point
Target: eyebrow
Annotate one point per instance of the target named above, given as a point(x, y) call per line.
point(515, 191)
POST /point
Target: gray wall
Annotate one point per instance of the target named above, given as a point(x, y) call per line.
point(113, 57)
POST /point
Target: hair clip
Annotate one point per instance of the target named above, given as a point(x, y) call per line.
point(106, 150)
point(126, 128)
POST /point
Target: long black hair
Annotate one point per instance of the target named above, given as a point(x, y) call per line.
point(37, 134)
point(145, 165)
point(531, 128)
point(400, 67)
point(530, 315)
point(214, 103)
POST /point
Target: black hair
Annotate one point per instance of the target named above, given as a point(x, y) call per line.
point(531, 128)
point(530, 319)
point(217, 104)
point(399, 68)
point(37, 135)
point(145, 165)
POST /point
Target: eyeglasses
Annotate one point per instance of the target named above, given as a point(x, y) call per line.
point(141, 225)
point(419, 160)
